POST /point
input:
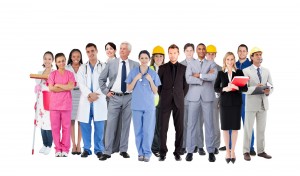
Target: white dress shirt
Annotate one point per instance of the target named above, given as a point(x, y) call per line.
point(117, 85)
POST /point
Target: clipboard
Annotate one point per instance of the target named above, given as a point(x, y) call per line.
point(259, 90)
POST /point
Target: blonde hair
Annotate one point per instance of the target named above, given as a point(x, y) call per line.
point(224, 61)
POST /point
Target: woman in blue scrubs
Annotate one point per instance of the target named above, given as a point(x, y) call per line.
point(143, 82)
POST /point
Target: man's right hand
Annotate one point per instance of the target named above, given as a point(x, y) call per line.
point(110, 94)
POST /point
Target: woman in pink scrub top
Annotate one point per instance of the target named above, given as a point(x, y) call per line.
point(61, 82)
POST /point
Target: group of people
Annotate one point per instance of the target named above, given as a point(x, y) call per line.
point(197, 92)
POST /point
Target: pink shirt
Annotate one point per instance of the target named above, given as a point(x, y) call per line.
point(61, 100)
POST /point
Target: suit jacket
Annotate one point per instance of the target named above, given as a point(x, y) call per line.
point(167, 91)
point(111, 72)
point(201, 87)
point(232, 98)
point(253, 102)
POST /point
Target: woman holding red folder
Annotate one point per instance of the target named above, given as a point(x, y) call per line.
point(230, 102)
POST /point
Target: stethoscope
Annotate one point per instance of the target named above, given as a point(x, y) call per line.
point(86, 68)
point(143, 74)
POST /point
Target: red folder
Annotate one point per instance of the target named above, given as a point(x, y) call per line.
point(240, 80)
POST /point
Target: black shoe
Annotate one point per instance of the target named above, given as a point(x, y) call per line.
point(162, 158)
point(211, 157)
point(201, 151)
point(196, 149)
point(227, 160)
point(84, 154)
point(104, 157)
point(189, 157)
point(156, 154)
point(182, 151)
point(233, 160)
point(99, 154)
point(216, 151)
point(177, 157)
point(222, 148)
point(252, 152)
point(125, 155)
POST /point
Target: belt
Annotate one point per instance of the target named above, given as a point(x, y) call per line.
point(76, 88)
point(120, 94)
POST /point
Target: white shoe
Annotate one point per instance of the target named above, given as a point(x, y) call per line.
point(146, 159)
point(64, 154)
point(141, 158)
point(42, 150)
point(58, 154)
point(47, 150)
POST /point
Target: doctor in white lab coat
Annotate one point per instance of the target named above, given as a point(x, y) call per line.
point(92, 104)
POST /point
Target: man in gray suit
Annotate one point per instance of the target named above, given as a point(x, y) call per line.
point(200, 96)
point(256, 105)
point(120, 100)
point(211, 53)
point(189, 51)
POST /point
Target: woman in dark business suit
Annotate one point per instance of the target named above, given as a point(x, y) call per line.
point(230, 102)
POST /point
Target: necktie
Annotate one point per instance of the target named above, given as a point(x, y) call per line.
point(173, 72)
point(258, 74)
point(123, 78)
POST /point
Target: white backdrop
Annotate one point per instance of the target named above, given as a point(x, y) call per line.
point(29, 28)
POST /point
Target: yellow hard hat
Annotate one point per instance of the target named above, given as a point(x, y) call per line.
point(254, 50)
point(211, 49)
point(158, 50)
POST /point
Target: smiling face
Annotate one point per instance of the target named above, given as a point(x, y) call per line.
point(92, 53)
point(257, 58)
point(229, 61)
point(173, 55)
point(158, 59)
point(47, 60)
point(110, 52)
point(76, 57)
point(242, 53)
point(201, 51)
point(61, 62)
point(144, 59)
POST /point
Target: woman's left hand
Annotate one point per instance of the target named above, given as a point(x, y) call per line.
point(148, 77)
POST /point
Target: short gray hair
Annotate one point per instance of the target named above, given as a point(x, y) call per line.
point(128, 45)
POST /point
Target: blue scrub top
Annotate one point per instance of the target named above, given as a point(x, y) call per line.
point(142, 95)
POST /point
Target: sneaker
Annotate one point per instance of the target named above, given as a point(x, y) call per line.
point(64, 154)
point(47, 150)
point(58, 154)
point(146, 159)
point(42, 150)
point(141, 158)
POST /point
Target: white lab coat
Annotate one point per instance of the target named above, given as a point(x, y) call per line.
point(84, 78)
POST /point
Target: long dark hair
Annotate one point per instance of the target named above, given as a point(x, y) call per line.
point(70, 57)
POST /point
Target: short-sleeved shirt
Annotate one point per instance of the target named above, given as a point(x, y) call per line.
point(61, 100)
point(142, 95)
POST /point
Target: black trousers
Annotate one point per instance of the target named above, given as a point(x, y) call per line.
point(156, 139)
point(164, 118)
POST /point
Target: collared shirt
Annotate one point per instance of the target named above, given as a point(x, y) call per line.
point(143, 89)
point(230, 76)
point(243, 65)
point(257, 68)
point(117, 85)
point(174, 66)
